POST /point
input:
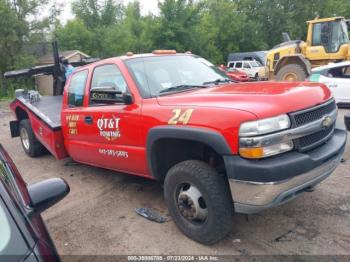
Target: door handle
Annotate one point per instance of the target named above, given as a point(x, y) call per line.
point(88, 120)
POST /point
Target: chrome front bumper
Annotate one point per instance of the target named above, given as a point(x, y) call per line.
point(252, 197)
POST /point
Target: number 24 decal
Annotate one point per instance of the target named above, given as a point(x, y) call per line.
point(179, 117)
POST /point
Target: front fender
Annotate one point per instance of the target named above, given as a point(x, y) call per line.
point(206, 136)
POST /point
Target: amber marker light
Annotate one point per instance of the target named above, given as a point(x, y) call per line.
point(164, 52)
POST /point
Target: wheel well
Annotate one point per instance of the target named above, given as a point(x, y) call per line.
point(21, 114)
point(168, 152)
point(293, 60)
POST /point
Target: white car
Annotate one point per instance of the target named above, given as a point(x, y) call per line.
point(251, 67)
point(337, 77)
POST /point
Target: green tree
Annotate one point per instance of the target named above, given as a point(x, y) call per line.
point(12, 31)
point(134, 33)
point(75, 35)
point(177, 24)
point(96, 14)
point(16, 31)
point(211, 28)
point(224, 29)
point(272, 17)
point(90, 29)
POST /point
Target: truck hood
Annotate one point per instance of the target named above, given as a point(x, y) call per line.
point(264, 99)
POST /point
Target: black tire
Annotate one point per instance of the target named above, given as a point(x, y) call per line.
point(33, 147)
point(288, 72)
point(216, 194)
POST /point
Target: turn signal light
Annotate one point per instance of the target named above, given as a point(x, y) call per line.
point(164, 52)
point(254, 152)
point(260, 152)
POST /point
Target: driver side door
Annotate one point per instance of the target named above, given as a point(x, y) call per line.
point(109, 133)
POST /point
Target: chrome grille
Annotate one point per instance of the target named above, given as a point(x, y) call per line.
point(311, 141)
point(304, 117)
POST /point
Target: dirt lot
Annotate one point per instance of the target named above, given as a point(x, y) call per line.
point(98, 217)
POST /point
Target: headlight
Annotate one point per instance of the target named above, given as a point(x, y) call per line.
point(260, 128)
point(264, 126)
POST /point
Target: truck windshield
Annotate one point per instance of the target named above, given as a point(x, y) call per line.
point(158, 73)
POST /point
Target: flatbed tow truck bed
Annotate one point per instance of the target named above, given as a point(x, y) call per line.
point(45, 117)
point(48, 109)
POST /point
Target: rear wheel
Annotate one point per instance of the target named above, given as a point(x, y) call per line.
point(30, 144)
point(199, 201)
point(292, 72)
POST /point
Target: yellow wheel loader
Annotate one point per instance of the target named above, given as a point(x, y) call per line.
point(327, 41)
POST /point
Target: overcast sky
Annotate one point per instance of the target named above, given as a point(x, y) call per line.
point(147, 6)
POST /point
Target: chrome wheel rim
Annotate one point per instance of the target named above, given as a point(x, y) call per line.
point(25, 138)
point(191, 203)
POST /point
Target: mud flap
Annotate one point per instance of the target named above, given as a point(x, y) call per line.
point(14, 127)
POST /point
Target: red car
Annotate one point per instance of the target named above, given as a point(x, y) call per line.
point(24, 236)
point(219, 147)
point(234, 74)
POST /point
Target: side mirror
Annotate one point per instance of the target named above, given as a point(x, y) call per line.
point(347, 121)
point(47, 193)
point(128, 99)
point(109, 95)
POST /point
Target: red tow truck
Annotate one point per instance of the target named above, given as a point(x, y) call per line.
point(219, 147)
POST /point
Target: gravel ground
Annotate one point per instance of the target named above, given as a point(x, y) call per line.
point(98, 217)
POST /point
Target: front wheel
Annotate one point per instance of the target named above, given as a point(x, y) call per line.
point(199, 201)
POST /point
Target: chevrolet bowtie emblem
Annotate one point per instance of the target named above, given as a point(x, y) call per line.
point(327, 122)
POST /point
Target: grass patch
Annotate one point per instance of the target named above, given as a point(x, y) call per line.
point(6, 99)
